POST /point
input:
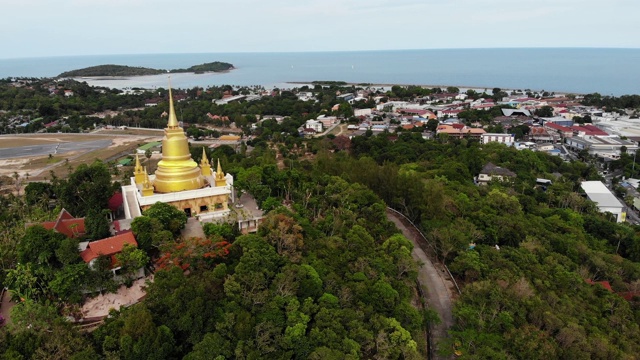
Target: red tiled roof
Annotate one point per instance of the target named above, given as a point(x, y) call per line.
point(108, 247)
point(413, 111)
point(589, 130)
point(557, 127)
point(70, 228)
point(605, 284)
point(538, 130)
point(115, 201)
point(65, 224)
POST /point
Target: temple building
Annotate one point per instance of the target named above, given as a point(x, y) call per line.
point(179, 180)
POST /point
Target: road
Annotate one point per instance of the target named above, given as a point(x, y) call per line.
point(437, 289)
point(46, 149)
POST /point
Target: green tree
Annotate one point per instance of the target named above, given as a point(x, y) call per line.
point(225, 230)
point(169, 216)
point(130, 259)
point(69, 282)
point(38, 246)
point(96, 224)
point(545, 111)
point(87, 188)
point(148, 232)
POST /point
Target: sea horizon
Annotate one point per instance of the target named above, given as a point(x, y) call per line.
point(581, 70)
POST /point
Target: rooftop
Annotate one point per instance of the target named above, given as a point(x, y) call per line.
point(598, 193)
point(492, 169)
point(108, 247)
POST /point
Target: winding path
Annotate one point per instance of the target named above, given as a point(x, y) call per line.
point(437, 289)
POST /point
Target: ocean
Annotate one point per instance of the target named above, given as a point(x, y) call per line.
point(569, 70)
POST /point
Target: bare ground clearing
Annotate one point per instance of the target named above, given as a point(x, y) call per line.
point(11, 141)
point(38, 167)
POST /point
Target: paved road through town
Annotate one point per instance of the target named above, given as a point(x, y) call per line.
point(437, 290)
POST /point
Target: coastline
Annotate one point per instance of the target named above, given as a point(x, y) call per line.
point(131, 77)
point(430, 86)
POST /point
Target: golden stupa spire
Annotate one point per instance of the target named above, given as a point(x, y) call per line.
point(204, 160)
point(138, 172)
point(176, 171)
point(204, 164)
point(138, 167)
point(147, 188)
point(220, 180)
point(173, 119)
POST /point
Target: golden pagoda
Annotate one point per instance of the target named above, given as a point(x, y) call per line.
point(179, 181)
point(176, 171)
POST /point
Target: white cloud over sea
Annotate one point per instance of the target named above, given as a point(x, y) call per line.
point(90, 27)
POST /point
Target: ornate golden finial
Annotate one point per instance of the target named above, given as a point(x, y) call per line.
point(220, 180)
point(138, 172)
point(147, 188)
point(138, 167)
point(204, 160)
point(173, 119)
point(204, 164)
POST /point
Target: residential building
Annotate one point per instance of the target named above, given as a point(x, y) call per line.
point(491, 172)
point(65, 224)
point(605, 147)
point(507, 139)
point(563, 131)
point(460, 131)
point(313, 124)
point(558, 120)
point(362, 112)
point(605, 200)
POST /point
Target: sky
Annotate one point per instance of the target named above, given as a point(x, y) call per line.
point(40, 28)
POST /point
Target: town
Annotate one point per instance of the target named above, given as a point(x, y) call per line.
point(325, 220)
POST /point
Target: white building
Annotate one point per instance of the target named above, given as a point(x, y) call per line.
point(605, 147)
point(313, 124)
point(362, 112)
point(507, 139)
point(605, 200)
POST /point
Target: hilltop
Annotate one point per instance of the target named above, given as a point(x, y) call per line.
point(123, 70)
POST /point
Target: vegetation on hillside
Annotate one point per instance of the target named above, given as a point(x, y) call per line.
point(123, 70)
point(327, 276)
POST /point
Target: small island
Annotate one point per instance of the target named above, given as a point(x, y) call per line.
point(123, 70)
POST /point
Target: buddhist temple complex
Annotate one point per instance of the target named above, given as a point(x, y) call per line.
point(179, 180)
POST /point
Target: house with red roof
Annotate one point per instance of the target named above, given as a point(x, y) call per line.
point(588, 130)
point(66, 224)
point(563, 131)
point(460, 131)
point(110, 247)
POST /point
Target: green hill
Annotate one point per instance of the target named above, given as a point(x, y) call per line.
point(111, 70)
point(123, 70)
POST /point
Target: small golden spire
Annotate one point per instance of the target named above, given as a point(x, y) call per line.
point(204, 160)
point(147, 188)
point(220, 179)
point(205, 167)
point(138, 167)
point(138, 172)
point(173, 119)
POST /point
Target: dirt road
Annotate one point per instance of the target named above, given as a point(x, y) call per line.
point(437, 289)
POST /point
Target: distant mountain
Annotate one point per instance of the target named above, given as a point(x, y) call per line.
point(123, 70)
